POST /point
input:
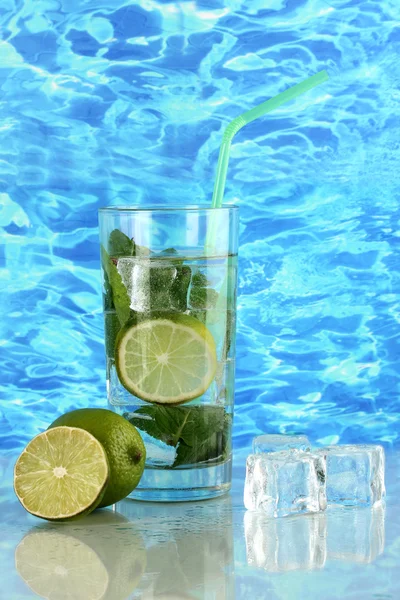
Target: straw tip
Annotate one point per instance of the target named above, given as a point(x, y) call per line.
point(324, 76)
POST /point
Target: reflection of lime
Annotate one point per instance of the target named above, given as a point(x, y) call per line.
point(55, 565)
point(109, 548)
point(166, 360)
point(123, 445)
point(61, 474)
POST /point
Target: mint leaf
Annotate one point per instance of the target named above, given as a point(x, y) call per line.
point(202, 296)
point(160, 280)
point(202, 423)
point(199, 280)
point(108, 303)
point(204, 300)
point(120, 244)
point(200, 433)
point(141, 250)
point(180, 288)
point(168, 252)
point(213, 448)
point(112, 327)
point(162, 423)
point(120, 296)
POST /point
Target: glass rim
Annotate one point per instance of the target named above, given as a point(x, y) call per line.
point(165, 209)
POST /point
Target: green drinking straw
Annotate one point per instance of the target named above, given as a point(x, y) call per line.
point(251, 115)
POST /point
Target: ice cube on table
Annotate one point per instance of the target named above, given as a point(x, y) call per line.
point(275, 443)
point(356, 534)
point(355, 474)
point(285, 483)
point(285, 544)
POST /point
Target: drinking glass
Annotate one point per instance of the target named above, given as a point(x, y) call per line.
point(169, 297)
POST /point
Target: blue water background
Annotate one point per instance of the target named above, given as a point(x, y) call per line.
point(112, 101)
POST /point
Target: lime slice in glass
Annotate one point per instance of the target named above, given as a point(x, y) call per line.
point(55, 565)
point(166, 360)
point(61, 474)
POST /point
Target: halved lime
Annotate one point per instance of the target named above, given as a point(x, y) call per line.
point(61, 474)
point(166, 360)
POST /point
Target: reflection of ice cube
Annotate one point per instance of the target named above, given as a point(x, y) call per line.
point(356, 534)
point(285, 544)
point(275, 443)
point(355, 474)
point(284, 483)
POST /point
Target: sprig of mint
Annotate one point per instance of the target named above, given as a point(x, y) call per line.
point(199, 433)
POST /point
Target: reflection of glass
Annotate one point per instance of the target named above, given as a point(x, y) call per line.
point(285, 544)
point(101, 557)
point(189, 549)
point(356, 534)
point(170, 310)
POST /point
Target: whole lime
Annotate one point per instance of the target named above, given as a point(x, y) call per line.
point(124, 447)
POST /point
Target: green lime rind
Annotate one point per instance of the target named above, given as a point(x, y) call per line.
point(124, 447)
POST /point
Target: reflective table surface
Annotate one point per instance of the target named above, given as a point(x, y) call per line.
point(202, 550)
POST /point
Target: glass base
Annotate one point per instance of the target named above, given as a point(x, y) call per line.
point(182, 485)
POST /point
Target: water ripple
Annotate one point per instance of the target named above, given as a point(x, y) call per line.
point(112, 101)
